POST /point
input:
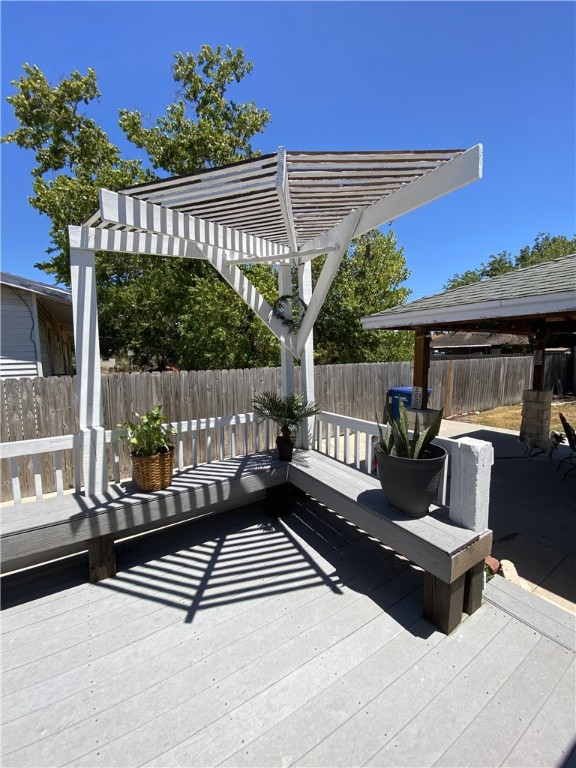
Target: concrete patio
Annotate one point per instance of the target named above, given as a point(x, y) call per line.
point(532, 513)
point(246, 640)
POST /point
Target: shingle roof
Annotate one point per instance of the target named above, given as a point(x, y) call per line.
point(555, 276)
point(50, 291)
point(517, 302)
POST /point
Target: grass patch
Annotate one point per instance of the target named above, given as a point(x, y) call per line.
point(510, 416)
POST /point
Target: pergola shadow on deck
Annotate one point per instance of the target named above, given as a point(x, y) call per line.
point(248, 640)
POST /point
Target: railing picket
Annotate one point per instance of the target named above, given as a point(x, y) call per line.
point(221, 443)
point(208, 446)
point(116, 460)
point(181, 451)
point(58, 472)
point(37, 476)
point(194, 447)
point(16, 495)
point(77, 454)
point(346, 457)
point(357, 449)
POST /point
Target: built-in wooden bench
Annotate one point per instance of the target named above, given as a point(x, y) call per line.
point(452, 557)
point(43, 530)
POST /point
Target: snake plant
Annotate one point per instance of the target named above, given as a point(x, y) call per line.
point(398, 441)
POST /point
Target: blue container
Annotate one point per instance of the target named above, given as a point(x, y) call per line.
point(395, 394)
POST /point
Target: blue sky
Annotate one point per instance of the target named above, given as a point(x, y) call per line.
point(339, 76)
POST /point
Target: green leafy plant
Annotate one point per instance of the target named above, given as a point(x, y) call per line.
point(398, 440)
point(149, 435)
point(287, 411)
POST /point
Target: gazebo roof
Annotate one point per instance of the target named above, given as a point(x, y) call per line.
point(519, 301)
point(291, 197)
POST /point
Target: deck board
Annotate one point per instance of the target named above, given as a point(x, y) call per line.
point(244, 640)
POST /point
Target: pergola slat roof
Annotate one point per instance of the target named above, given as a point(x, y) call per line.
point(322, 187)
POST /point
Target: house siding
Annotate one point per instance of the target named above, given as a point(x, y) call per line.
point(17, 338)
point(22, 343)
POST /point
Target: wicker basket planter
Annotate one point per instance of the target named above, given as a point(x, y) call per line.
point(153, 473)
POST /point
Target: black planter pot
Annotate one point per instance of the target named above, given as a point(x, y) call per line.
point(411, 485)
point(285, 448)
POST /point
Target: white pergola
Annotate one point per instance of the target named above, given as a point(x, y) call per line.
point(284, 209)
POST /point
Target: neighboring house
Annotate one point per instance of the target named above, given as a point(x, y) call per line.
point(470, 343)
point(36, 330)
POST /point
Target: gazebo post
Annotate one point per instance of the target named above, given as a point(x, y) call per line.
point(539, 361)
point(286, 357)
point(421, 368)
point(307, 357)
point(536, 402)
point(87, 346)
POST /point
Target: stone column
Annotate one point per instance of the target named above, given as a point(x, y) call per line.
point(535, 414)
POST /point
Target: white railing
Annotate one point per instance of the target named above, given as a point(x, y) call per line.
point(44, 447)
point(209, 439)
point(205, 440)
point(467, 468)
point(352, 442)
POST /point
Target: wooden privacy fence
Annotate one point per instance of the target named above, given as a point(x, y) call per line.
point(48, 407)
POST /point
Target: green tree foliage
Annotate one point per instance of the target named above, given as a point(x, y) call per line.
point(202, 128)
point(369, 280)
point(545, 247)
point(177, 310)
point(143, 301)
point(73, 155)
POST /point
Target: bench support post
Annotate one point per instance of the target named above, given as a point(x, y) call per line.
point(101, 558)
point(473, 588)
point(443, 602)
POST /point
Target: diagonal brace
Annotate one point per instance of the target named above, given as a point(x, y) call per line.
point(333, 261)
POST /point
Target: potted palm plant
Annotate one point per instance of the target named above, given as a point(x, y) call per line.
point(288, 411)
point(151, 449)
point(409, 468)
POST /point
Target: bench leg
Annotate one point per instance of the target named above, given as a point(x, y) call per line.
point(443, 603)
point(473, 588)
point(279, 500)
point(101, 558)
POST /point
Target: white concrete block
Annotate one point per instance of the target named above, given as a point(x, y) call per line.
point(472, 462)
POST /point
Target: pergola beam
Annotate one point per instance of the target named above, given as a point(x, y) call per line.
point(122, 241)
point(453, 175)
point(249, 293)
point(149, 217)
point(456, 173)
point(325, 280)
point(283, 192)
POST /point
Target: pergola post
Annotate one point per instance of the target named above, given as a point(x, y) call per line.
point(287, 359)
point(307, 357)
point(87, 345)
point(421, 369)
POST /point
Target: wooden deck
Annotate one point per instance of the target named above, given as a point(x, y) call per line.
point(241, 640)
